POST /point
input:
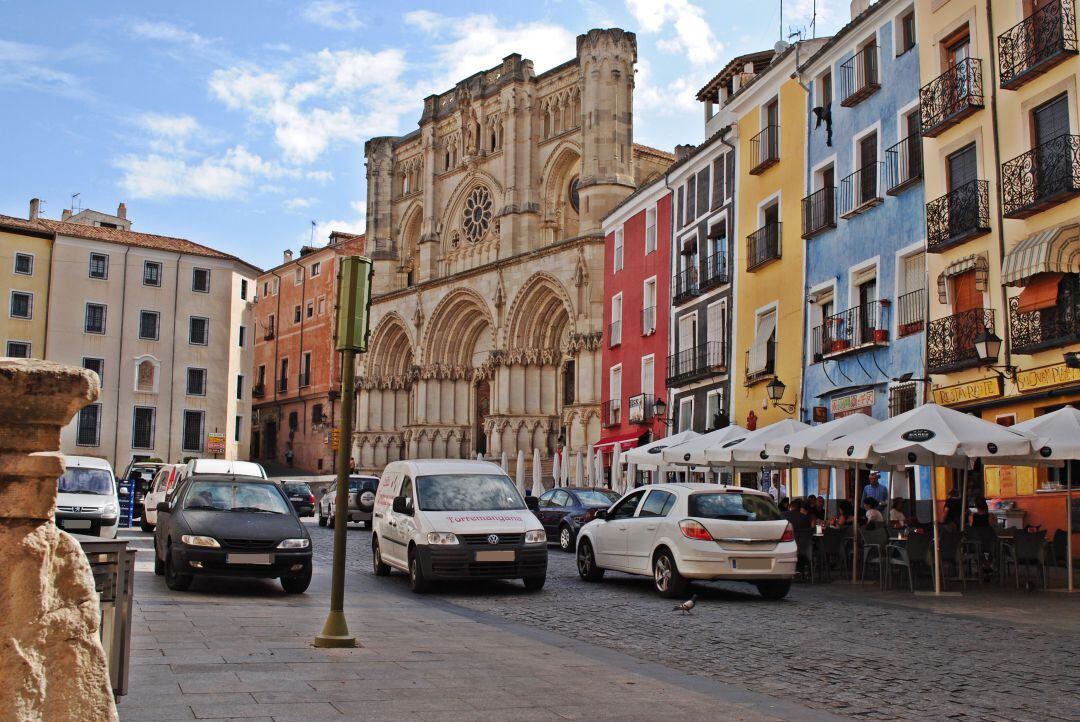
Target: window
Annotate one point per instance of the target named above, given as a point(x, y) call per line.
point(22, 305)
point(151, 273)
point(615, 336)
point(24, 264)
point(95, 318)
point(615, 386)
point(97, 365)
point(718, 182)
point(196, 382)
point(310, 310)
point(625, 508)
point(270, 326)
point(618, 252)
point(703, 191)
point(294, 420)
point(907, 32)
point(648, 374)
point(296, 314)
point(277, 285)
point(261, 376)
point(322, 305)
point(266, 289)
point(686, 414)
point(298, 277)
point(99, 266)
point(691, 199)
point(198, 330)
point(241, 336)
point(648, 307)
point(283, 377)
point(238, 425)
point(317, 413)
point(193, 430)
point(18, 349)
point(200, 280)
point(149, 322)
point(902, 398)
point(305, 369)
point(142, 428)
point(316, 269)
point(650, 230)
point(679, 204)
point(88, 431)
point(712, 410)
point(243, 289)
point(657, 503)
point(824, 89)
point(687, 332)
point(762, 351)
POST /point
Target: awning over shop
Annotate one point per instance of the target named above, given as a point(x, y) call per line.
point(625, 441)
point(1056, 250)
point(1040, 292)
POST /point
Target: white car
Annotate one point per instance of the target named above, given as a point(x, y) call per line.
point(222, 466)
point(362, 490)
point(679, 532)
point(87, 501)
point(160, 488)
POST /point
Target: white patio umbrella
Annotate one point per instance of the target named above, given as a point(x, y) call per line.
point(538, 480)
point(579, 469)
point(650, 456)
point(628, 478)
point(932, 435)
point(590, 466)
point(565, 469)
point(556, 472)
point(749, 450)
point(521, 471)
point(692, 451)
point(1058, 438)
point(600, 477)
point(505, 463)
point(616, 468)
point(479, 457)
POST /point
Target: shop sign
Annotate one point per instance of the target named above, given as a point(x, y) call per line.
point(335, 439)
point(215, 443)
point(968, 392)
point(845, 405)
point(821, 414)
point(636, 405)
point(1046, 377)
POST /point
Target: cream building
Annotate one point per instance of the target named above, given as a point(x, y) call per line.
point(484, 225)
point(25, 255)
point(165, 323)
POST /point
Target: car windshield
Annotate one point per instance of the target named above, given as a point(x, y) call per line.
point(297, 489)
point(86, 481)
point(232, 496)
point(734, 506)
point(467, 492)
point(357, 483)
point(596, 497)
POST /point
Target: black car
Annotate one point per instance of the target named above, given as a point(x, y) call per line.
point(224, 525)
point(300, 496)
point(564, 509)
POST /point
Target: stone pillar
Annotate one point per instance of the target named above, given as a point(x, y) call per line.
point(51, 659)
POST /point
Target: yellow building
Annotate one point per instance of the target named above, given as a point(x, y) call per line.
point(25, 259)
point(1001, 145)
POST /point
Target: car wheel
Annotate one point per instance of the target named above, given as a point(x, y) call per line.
point(586, 563)
point(382, 569)
point(159, 566)
point(144, 524)
point(322, 520)
point(367, 524)
point(297, 584)
point(417, 580)
point(534, 584)
point(666, 578)
point(566, 539)
point(774, 588)
point(174, 581)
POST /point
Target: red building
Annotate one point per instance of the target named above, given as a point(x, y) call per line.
point(637, 260)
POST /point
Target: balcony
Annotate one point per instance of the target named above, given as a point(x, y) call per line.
point(765, 149)
point(715, 272)
point(762, 246)
point(766, 366)
point(1044, 176)
point(269, 335)
point(819, 212)
point(859, 77)
point(950, 341)
point(903, 165)
point(648, 321)
point(958, 216)
point(647, 413)
point(258, 391)
point(911, 313)
point(951, 97)
point(1041, 41)
point(614, 334)
point(611, 413)
point(861, 191)
point(853, 330)
point(686, 285)
point(696, 362)
point(283, 385)
point(1059, 325)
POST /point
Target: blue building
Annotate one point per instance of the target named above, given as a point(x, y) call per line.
point(864, 229)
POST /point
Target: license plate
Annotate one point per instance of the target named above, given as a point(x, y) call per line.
point(752, 563)
point(75, 523)
point(247, 559)
point(502, 556)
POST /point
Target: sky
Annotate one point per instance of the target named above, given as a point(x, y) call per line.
point(237, 123)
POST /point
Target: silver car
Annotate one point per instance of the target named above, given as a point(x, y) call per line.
point(361, 501)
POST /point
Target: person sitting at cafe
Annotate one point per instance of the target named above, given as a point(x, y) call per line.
point(874, 490)
point(796, 514)
point(953, 509)
point(873, 516)
point(980, 518)
point(785, 504)
point(845, 512)
point(822, 512)
point(897, 517)
point(811, 508)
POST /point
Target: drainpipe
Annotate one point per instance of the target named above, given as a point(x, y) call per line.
point(277, 359)
point(172, 355)
point(119, 376)
point(729, 341)
point(1005, 321)
point(48, 298)
point(303, 318)
point(670, 305)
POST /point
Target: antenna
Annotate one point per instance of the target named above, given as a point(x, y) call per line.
point(781, 19)
point(74, 198)
point(313, 225)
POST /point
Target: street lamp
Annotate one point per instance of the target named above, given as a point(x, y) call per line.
point(659, 408)
point(987, 347)
point(775, 389)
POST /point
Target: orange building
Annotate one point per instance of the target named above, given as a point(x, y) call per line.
point(297, 374)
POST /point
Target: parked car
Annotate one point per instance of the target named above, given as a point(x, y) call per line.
point(454, 519)
point(300, 496)
point(361, 501)
point(87, 501)
point(222, 466)
point(678, 532)
point(563, 510)
point(141, 474)
point(163, 484)
point(225, 525)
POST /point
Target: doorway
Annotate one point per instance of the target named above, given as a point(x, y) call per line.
point(482, 407)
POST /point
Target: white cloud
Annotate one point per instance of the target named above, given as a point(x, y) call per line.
point(167, 32)
point(358, 224)
point(426, 20)
point(664, 100)
point(332, 14)
point(692, 34)
point(169, 126)
point(31, 67)
point(319, 176)
point(157, 175)
point(295, 204)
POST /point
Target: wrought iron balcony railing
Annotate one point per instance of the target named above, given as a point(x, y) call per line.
point(1042, 177)
point(1059, 325)
point(911, 313)
point(614, 334)
point(762, 246)
point(951, 97)
point(852, 330)
point(765, 149)
point(258, 391)
point(647, 413)
point(950, 341)
point(283, 384)
point(859, 77)
point(819, 212)
point(648, 320)
point(696, 362)
point(903, 165)
point(611, 413)
point(1037, 43)
point(761, 364)
point(861, 191)
point(715, 271)
point(958, 216)
point(269, 334)
point(686, 285)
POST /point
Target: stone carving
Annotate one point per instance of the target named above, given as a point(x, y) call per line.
point(578, 342)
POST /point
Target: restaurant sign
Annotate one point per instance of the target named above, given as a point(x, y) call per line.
point(215, 443)
point(852, 403)
point(637, 408)
point(968, 392)
point(1046, 377)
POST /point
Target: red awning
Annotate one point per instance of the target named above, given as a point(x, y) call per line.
point(625, 442)
point(1040, 292)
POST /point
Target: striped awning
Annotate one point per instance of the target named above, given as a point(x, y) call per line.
point(1056, 250)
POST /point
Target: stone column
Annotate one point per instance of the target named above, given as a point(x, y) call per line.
point(51, 659)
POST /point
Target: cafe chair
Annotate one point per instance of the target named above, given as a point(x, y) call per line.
point(979, 550)
point(910, 556)
point(1059, 550)
point(952, 555)
point(875, 539)
point(1028, 550)
point(833, 545)
point(804, 544)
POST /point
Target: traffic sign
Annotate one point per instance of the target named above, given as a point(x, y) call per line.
point(215, 443)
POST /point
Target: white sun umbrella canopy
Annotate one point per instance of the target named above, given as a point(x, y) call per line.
point(810, 446)
point(579, 469)
point(556, 471)
point(504, 463)
point(749, 451)
point(537, 480)
point(650, 456)
point(521, 471)
point(616, 468)
point(692, 452)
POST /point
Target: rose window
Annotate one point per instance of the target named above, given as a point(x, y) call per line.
point(477, 214)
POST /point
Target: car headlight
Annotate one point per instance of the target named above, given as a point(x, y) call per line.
point(536, 536)
point(441, 537)
point(294, 544)
point(193, 540)
point(109, 510)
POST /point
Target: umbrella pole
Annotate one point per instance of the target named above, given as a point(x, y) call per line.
point(855, 535)
point(963, 499)
point(1068, 522)
point(934, 521)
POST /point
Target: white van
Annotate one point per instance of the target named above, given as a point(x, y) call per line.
point(454, 519)
point(87, 501)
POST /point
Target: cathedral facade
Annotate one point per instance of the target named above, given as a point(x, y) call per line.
point(484, 225)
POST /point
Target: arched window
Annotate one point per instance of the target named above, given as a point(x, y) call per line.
point(477, 214)
point(146, 375)
point(446, 162)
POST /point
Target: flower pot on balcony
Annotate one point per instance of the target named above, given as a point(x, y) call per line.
point(840, 344)
point(881, 335)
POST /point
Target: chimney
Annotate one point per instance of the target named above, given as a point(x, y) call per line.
point(288, 255)
point(681, 151)
point(858, 7)
point(121, 211)
point(66, 214)
point(35, 208)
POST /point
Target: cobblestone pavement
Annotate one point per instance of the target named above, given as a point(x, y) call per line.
point(858, 652)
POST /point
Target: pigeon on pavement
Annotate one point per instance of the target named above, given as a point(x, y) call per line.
point(686, 606)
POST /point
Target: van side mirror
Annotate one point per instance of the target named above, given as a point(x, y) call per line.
point(532, 503)
point(163, 506)
point(402, 505)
